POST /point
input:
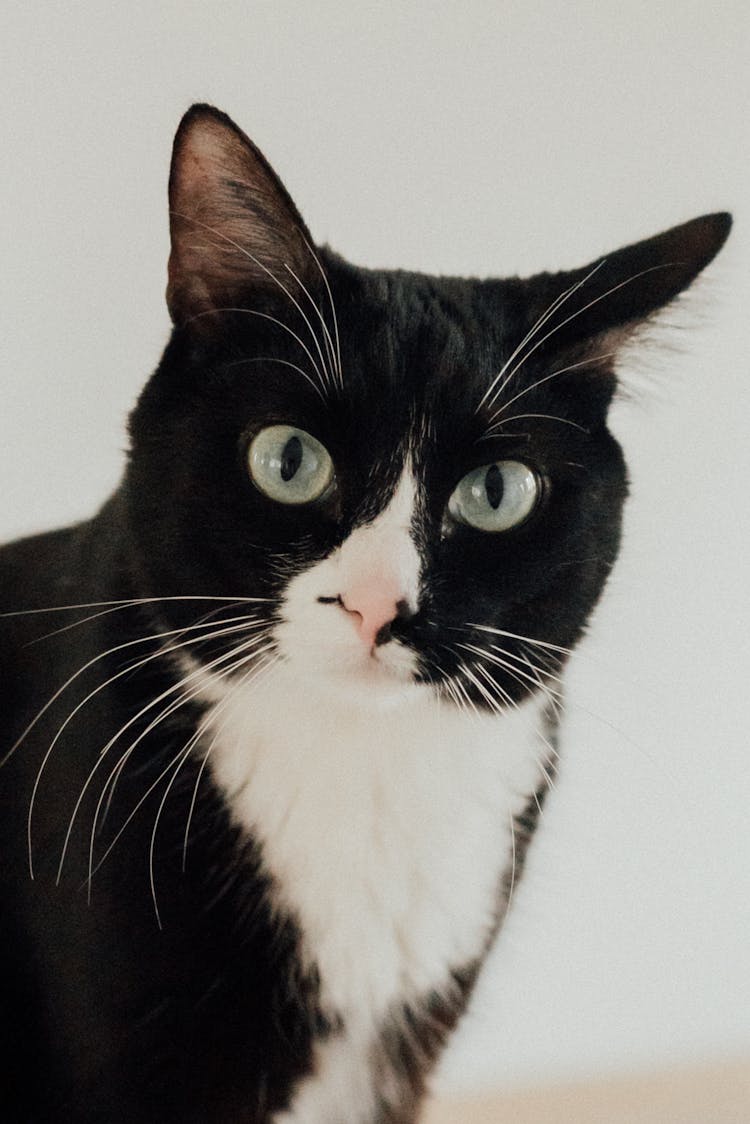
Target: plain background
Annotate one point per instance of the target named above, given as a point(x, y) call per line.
point(482, 138)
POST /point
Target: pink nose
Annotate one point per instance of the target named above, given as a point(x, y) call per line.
point(371, 608)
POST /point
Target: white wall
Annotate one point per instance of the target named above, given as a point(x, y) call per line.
point(483, 138)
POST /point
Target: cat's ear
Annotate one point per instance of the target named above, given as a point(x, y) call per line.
point(234, 229)
point(604, 302)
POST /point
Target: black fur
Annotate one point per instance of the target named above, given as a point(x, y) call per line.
point(110, 1013)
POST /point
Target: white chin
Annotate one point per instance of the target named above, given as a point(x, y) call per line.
point(386, 671)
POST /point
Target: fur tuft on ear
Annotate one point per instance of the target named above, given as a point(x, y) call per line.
point(234, 229)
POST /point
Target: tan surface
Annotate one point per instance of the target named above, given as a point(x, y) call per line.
point(720, 1095)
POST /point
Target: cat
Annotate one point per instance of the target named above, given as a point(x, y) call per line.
point(279, 721)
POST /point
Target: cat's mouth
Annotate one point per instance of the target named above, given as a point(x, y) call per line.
point(387, 665)
point(337, 658)
point(389, 661)
point(377, 649)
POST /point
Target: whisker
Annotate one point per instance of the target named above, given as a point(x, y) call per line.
point(115, 773)
point(175, 764)
point(227, 604)
point(85, 667)
point(170, 709)
point(490, 699)
point(450, 685)
point(243, 250)
point(326, 333)
point(554, 698)
point(511, 702)
point(194, 798)
point(450, 688)
point(495, 686)
point(515, 636)
point(544, 668)
point(520, 417)
point(552, 375)
point(285, 363)
point(469, 706)
point(517, 673)
point(244, 628)
point(491, 393)
point(182, 757)
point(76, 674)
point(580, 311)
point(127, 670)
point(252, 675)
point(128, 603)
point(324, 275)
point(187, 677)
point(324, 382)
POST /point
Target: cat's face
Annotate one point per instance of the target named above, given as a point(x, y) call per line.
point(413, 475)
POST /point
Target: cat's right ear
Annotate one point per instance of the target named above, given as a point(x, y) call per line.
point(235, 232)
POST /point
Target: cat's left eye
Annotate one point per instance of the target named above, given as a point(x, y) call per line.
point(289, 465)
point(496, 497)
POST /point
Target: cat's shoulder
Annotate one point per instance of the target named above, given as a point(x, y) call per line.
point(67, 566)
point(35, 570)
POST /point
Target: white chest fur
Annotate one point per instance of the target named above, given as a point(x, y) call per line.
point(384, 817)
point(386, 828)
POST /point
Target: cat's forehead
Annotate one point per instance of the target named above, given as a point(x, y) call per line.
point(422, 339)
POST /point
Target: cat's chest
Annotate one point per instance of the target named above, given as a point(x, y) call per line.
point(385, 831)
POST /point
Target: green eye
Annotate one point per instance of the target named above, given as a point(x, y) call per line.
point(495, 497)
point(289, 465)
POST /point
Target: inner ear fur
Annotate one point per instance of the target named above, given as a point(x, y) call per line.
point(234, 229)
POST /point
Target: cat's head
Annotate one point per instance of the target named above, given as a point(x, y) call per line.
point(412, 473)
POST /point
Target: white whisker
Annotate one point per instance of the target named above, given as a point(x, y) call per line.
point(516, 636)
point(182, 757)
point(252, 675)
point(469, 707)
point(324, 275)
point(511, 702)
point(256, 261)
point(544, 668)
point(499, 414)
point(491, 393)
point(490, 432)
point(573, 316)
point(114, 775)
point(172, 707)
point(326, 333)
point(127, 670)
point(554, 698)
point(128, 603)
point(495, 686)
point(519, 675)
point(272, 359)
point(324, 382)
point(492, 702)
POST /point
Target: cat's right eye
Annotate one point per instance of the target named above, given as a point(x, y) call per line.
point(289, 465)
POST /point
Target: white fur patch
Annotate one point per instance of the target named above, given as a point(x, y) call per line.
point(384, 816)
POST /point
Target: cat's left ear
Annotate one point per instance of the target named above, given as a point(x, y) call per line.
point(234, 229)
point(603, 303)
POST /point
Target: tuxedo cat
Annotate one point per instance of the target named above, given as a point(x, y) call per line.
point(278, 722)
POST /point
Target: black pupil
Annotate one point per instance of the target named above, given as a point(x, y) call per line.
point(291, 458)
point(493, 484)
